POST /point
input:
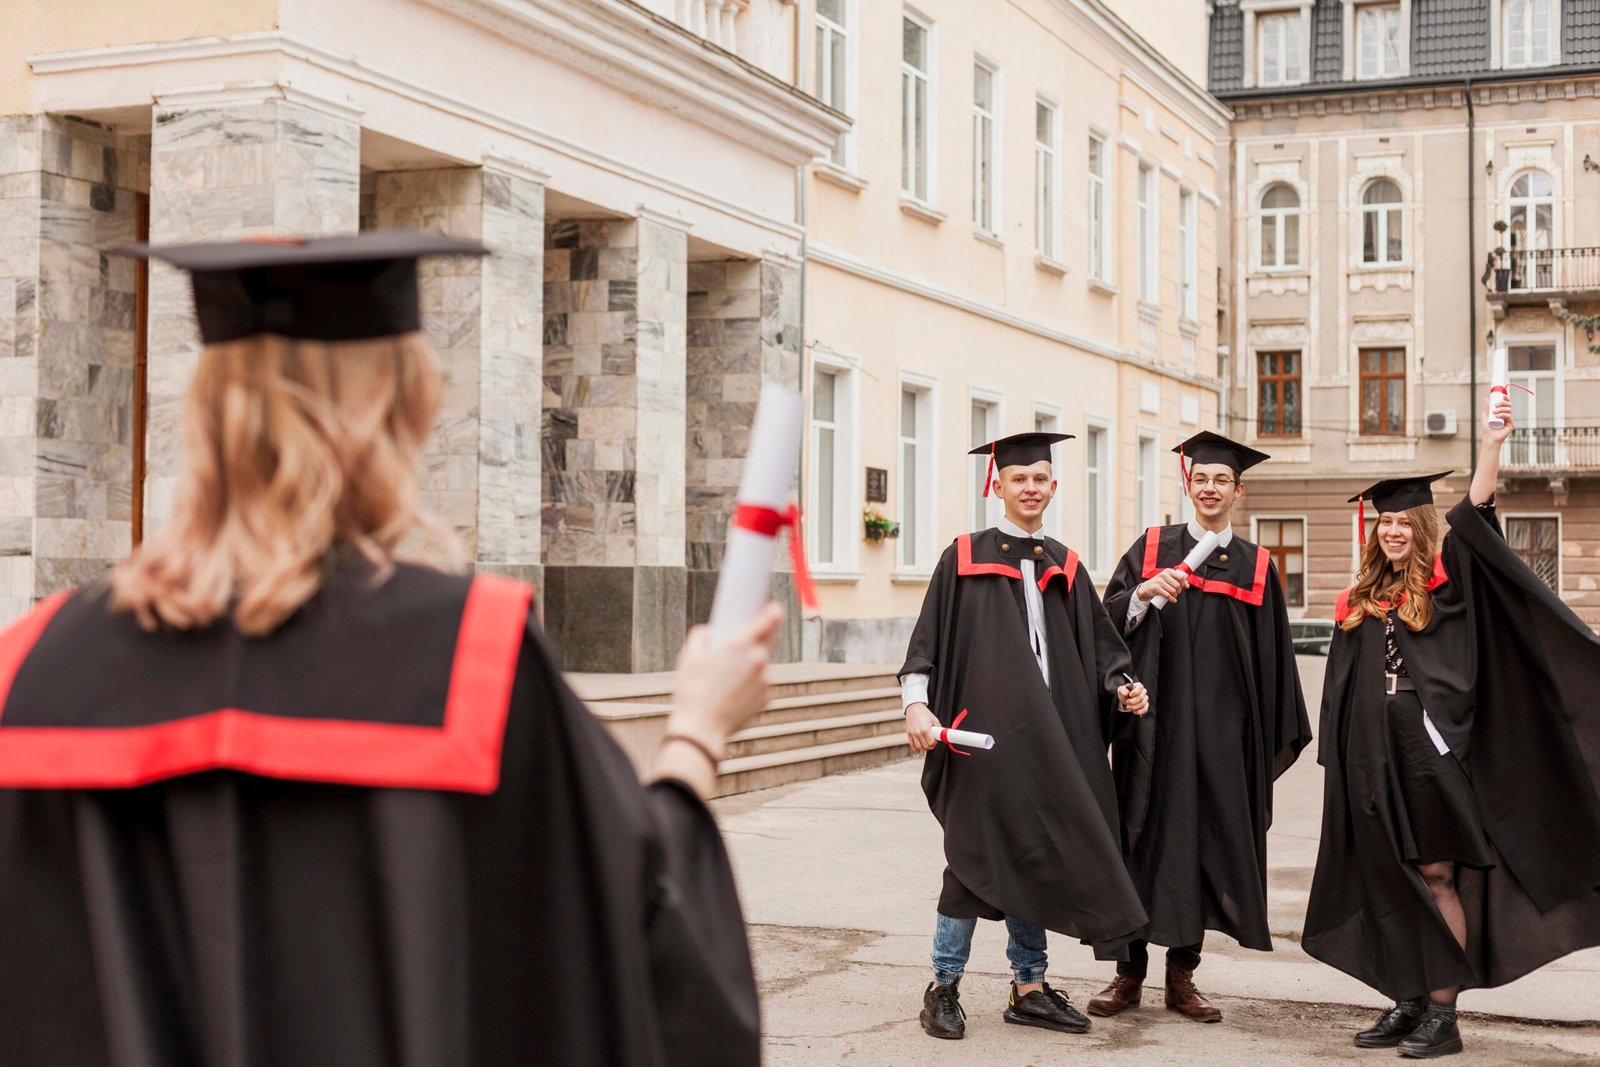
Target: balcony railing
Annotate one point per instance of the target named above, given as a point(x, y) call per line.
point(1528, 270)
point(711, 19)
point(1553, 448)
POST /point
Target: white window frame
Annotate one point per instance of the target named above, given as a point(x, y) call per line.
point(925, 522)
point(1383, 211)
point(1047, 183)
point(1256, 9)
point(1188, 254)
point(984, 512)
point(1147, 487)
point(1305, 553)
point(1556, 379)
point(1149, 232)
point(1500, 57)
point(1530, 208)
point(1099, 210)
point(1352, 28)
point(909, 75)
point(846, 466)
point(844, 153)
point(996, 142)
point(1561, 556)
point(1276, 217)
point(1100, 557)
point(1291, 62)
point(1050, 416)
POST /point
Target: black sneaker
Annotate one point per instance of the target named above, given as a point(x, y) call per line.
point(1045, 1007)
point(942, 1015)
point(1394, 1024)
point(1436, 1035)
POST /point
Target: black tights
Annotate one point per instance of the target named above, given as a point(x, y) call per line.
point(1441, 881)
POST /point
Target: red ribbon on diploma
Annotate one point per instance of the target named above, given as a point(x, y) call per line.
point(944, 732)
point(767, 522)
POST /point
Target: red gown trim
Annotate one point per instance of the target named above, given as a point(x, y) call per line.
point(1341, 603)
point(965, 566)
point(462, 755)
point(1252, 596)
point(1069, 572)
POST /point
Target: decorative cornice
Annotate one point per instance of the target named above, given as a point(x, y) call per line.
point(840, 259)
point(288, 45)
point(189, 97)
point(663, 218)
point(1365, 98)
point(652, 57)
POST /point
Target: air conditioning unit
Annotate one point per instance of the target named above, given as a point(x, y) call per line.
point(1440, 423)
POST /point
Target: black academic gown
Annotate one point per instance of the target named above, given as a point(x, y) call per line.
point(1508, 674)
point(1029, 825)
point(387, 834)
point(1194, 777)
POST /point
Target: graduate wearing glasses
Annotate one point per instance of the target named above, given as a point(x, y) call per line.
point(1194, 777)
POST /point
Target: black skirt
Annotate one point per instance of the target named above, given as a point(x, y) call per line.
point(1433, 798)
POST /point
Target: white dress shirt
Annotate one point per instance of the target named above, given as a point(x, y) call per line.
point(914, 687)
point(1137, 607)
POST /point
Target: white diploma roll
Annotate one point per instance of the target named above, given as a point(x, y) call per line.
point(960, 737)
point(745, 584)
point(1199, 555)
point(1499, 382)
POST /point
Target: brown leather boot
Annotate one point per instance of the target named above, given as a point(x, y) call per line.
point(1185, 999)
point(1121, 994)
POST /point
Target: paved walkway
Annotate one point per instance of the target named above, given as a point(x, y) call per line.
point(839, 879)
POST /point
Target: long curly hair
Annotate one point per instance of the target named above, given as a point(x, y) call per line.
point(290, 449)
point(1377, 583)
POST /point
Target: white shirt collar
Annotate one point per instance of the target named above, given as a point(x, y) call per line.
point(1011, 529)
point(1197, 532)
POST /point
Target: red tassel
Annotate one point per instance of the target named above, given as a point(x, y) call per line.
point(1183, 471)
point(1361, 518)
point(988, 475)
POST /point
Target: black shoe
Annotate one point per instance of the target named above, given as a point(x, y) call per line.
point(1047, 1008)
point(1393, 1025)
point(942, 1015)
point(1436, 1035)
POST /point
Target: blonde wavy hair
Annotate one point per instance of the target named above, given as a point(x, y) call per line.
point(1376, 582)
point(290, 449)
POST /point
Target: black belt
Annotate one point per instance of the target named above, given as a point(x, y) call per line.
point(1398, 683)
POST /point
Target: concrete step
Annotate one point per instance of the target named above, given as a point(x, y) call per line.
point(828, 705)
point(745, 773)
point(808, 733)
point(786, 680)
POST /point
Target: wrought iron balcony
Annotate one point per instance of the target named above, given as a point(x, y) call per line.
point(1553, 448)
point(1538, 275)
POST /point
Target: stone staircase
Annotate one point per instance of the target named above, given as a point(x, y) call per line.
point(821, 718)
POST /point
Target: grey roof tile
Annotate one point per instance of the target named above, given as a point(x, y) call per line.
point(1226, 66)
point(1580, 39)
point(1327, 41)
point(1449, 36)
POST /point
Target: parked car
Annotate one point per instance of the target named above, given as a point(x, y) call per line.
point(1311, 636)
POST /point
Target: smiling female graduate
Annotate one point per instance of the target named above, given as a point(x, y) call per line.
point(1013, 642)
point(270, 795)
point(1461, 739)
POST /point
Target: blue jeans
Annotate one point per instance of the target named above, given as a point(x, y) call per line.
point(952, 945)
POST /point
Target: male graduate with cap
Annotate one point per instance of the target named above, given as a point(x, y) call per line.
point(1195, 777)
point(1013, 642)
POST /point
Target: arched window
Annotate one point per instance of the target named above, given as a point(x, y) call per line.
point(1280, 227)
point(1382, 232)
point(1531, 214)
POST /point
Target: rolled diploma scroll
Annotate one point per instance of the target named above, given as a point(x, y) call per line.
point(745, 584)
point(1198, 555)
point(1499, 382)
point(960, 737)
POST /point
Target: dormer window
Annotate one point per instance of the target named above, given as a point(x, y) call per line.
point(1531, 32)
point(1378, 47)
point(1281, 49)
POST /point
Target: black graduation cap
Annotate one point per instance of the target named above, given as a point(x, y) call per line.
point(1208, 447)
point(345, 288)
point(1018, 450)
point(1395, 494)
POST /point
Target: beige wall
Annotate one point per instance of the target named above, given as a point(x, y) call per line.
point(1178, 29)
point(31, 27)
point(895, 290)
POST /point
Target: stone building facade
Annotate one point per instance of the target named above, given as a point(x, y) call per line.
point(599, 365)
point(1412, 184)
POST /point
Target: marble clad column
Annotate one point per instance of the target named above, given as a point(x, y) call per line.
point(227, 169)
point(68, 190)
point(614, 441)
point(484, 319)
point(743, 319)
